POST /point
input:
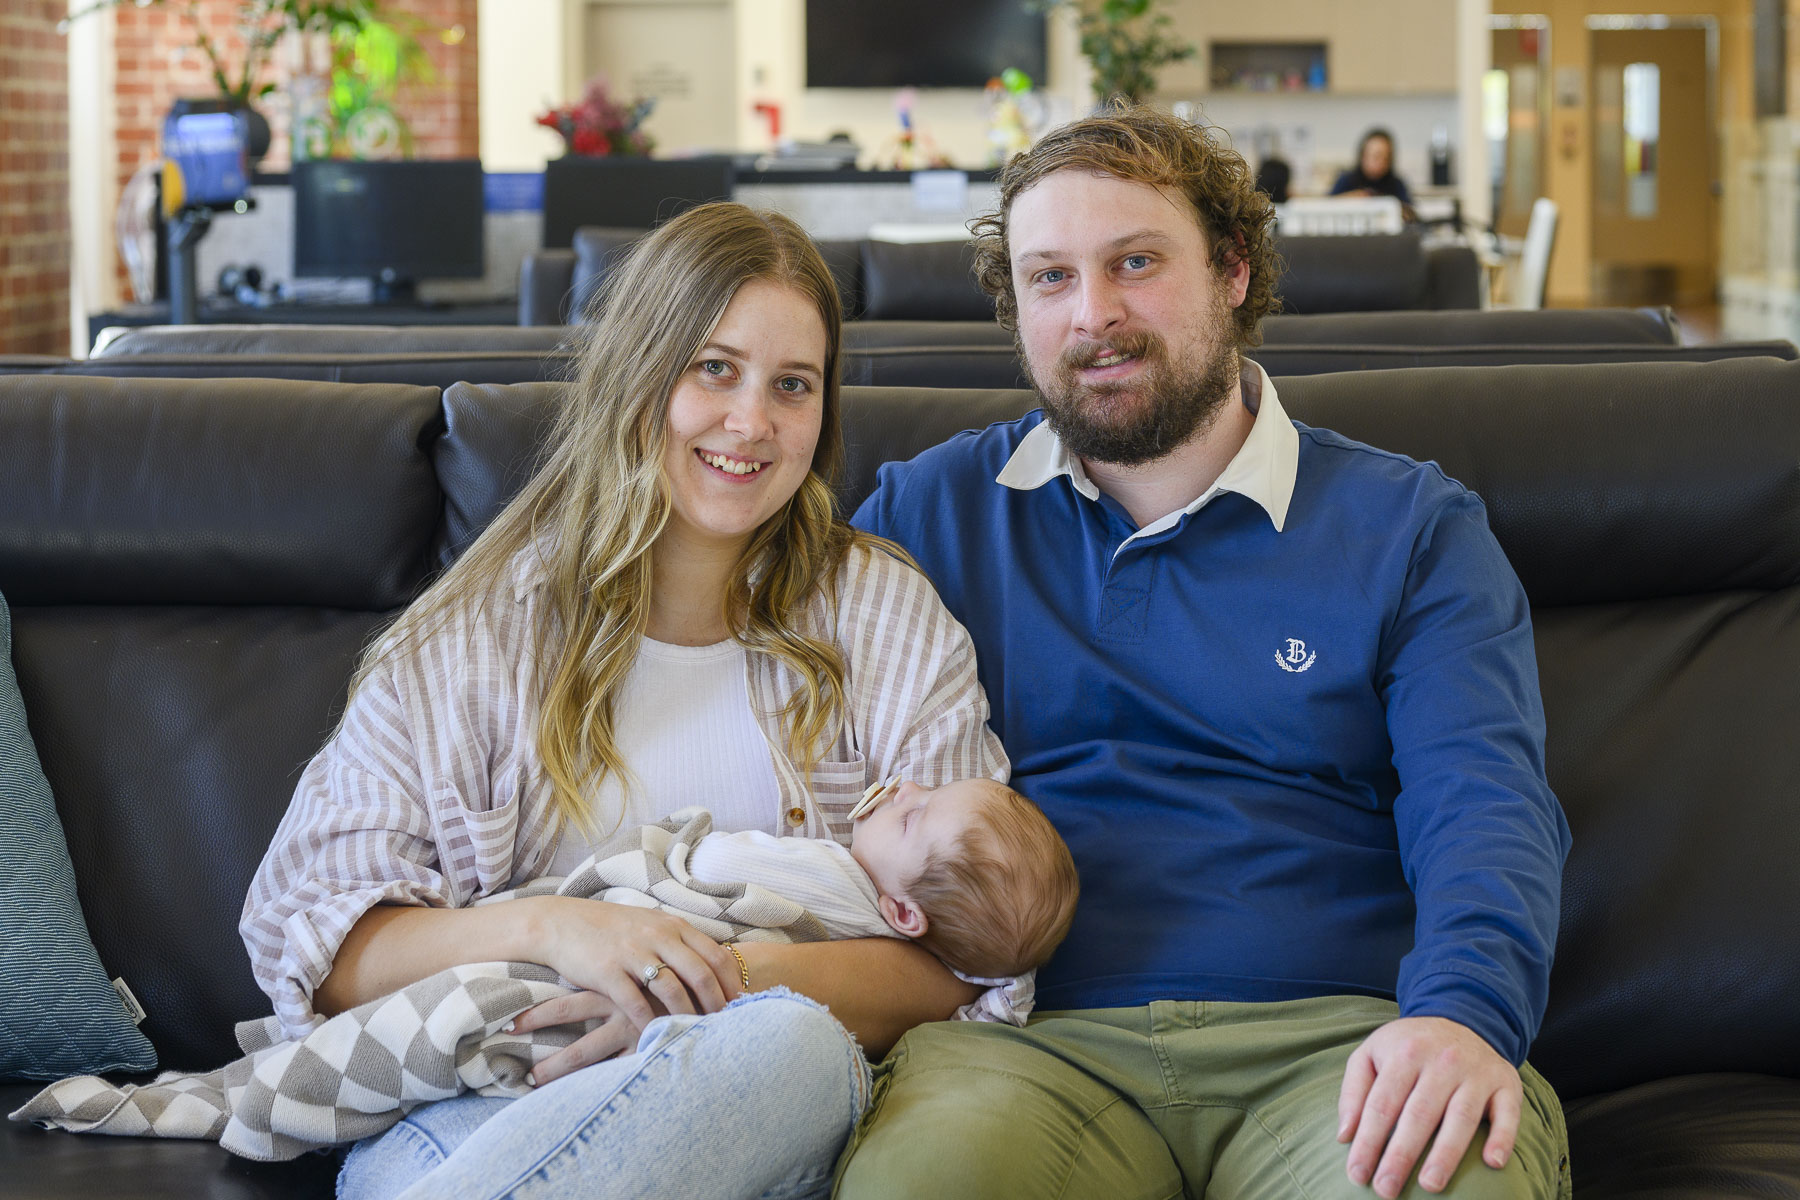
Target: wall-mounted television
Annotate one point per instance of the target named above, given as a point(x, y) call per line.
point(920, 43)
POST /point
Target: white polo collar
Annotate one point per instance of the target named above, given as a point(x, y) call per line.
point(1263, 469)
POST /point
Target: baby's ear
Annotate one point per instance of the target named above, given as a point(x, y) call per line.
point(903, 916)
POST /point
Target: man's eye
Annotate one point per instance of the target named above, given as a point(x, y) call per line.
point(1051, 276)
point(1137, 262)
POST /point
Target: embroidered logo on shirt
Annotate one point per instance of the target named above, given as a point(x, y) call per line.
point(1295, 658)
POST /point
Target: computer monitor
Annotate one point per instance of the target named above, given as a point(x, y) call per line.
point(396, 221)
point(626, 193)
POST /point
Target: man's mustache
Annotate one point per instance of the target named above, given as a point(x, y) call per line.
point(1145, 345)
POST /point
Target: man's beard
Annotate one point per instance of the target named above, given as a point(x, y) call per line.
point(1136, 421)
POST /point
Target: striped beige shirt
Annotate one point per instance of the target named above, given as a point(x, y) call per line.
point(431, 792)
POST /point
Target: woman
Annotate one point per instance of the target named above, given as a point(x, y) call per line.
point(671, 603)
point(1374, 172)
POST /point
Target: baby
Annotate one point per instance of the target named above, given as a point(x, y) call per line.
point(972, 871)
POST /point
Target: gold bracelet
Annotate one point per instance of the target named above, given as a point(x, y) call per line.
point(743, 967)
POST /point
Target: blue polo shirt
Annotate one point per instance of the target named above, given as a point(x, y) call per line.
point(1291, 733)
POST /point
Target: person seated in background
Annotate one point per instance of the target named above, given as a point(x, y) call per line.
point(1273, 176)
point(1374, 174)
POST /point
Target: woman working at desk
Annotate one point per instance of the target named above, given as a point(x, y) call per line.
point(1374, 174)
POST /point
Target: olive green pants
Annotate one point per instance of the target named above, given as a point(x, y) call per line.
point(1173, 1099)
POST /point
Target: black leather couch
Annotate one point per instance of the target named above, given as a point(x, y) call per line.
point(1449, 327)
point(933, 281)
point(882, 366)
point(193, 566)
point(884, 353)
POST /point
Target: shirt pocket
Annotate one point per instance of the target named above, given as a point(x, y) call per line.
point(475, 846)
point(836, 787)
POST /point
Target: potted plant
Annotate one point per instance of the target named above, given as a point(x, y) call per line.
point(372, 49)
point(1125, 41)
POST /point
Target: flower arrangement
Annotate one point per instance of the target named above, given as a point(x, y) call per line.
point(601, 125)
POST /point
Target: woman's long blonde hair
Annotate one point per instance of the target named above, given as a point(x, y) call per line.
point(596, 506)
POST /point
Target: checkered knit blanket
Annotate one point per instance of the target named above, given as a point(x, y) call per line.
point(361, 1071)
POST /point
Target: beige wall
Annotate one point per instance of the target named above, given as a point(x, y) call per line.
point(1374, 47)
point(532, 56)
point(1571, 159)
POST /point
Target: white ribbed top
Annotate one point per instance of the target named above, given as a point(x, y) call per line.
point(685, 727)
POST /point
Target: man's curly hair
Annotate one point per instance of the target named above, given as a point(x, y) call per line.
point(1140, 144)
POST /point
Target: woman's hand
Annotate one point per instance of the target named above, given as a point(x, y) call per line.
point(610, 949)
point(615, 1035)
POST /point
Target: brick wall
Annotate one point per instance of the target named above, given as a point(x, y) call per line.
point(157, 61)
point(444, 113)
point(34, 179)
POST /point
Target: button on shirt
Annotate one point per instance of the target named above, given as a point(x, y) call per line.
point(1257, 718)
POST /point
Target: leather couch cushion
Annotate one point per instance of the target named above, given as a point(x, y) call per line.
point(214, 491)
point(1285, 360)
point(1473, 327)
point(935, 366)
point(877, 334)
point(429, 369)
point(1672, 749)
point(922, 281)
point(173, 738)
point(599, 250)
point(492, 437)
point(35, 1165)
point(1697, 1137)
point(998, 367)
point(1332, 274)
point(1666, 479)
point(844, 258)
point(333, 339)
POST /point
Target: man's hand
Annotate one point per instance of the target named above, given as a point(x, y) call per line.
point(1415, 1077)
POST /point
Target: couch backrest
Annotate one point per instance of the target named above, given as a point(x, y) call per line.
point(193, 569)
point(1474, 327)
point(194, 565)
point(1422, 327)
point(1324, 273)
point(997, 366)
point(335, 339)
point(922, 281)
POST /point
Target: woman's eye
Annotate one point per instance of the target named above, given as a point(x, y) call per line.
point(716, 367)
point(793, 384)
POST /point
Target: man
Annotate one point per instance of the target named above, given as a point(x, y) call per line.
point(1277, 691)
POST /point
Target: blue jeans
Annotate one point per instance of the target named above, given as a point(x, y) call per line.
point(756, 1100)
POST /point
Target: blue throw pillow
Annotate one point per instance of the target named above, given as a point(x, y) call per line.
point(59, 1014)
